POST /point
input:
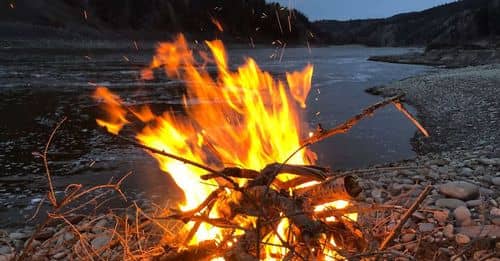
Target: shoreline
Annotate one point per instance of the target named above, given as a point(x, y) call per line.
point(456, 57)
point(458, 106)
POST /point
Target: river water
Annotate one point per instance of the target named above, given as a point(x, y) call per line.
point(38, 87)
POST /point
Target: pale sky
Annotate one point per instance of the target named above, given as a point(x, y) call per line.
point(357, 9)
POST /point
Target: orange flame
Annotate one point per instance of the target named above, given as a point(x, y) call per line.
point(243, 117)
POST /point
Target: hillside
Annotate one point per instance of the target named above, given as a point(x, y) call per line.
point(461, 22)
point(241, 20)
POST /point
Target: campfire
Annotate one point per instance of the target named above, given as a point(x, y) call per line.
point(240, 154)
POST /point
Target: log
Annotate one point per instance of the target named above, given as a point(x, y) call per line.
point(332, 189)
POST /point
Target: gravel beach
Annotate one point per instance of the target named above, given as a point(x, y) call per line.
point(461, 160)
point(459, 107)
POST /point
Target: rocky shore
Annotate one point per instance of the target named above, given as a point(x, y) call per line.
point(461, 160)
point(448, 58)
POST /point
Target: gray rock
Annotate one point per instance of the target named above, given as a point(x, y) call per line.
point(100, 240)
point(68, 236)
point(5, 250)
point(18, 236)
point(474, 203)
point(425, 227)
point(99, 226)
point(459, 190)
point(466, 171)
point(449, 203)
point(486, 192)
point(492, 162)
point(496, 181)
point(462, 239)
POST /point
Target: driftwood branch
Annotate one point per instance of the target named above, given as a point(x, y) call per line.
point(405, 217)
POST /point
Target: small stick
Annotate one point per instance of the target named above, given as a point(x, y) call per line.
point(166, 154)
point(405, 217)
point(408, 115)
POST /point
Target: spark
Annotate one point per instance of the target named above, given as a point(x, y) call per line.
point(217, 24)
point(251, 42)
point(282, 52)
point(279, 21)
point(125, 58)
point(135, 45)
point(85, 14)
point(11, 5)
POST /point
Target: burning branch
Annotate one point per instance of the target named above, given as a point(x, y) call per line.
point(347, 125)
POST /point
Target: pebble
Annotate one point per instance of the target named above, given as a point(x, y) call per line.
point(466, 171)
point(441, 216)
point(492, 162)
point(449, 203)
point(100, 240)
point(5, 250)
point(99, 226)
point(462, 239)
point(425, 227)
point(495, 212)
point(474, 203)
point(495, 181)
point(60, 255)
point(18, 236)
point(463, 216)
point(448, 231)
point(459, 190)
point(405, 238)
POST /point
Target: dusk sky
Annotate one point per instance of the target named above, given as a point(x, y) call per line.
point(358, 9)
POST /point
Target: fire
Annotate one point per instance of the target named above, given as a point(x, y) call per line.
point(241, 117)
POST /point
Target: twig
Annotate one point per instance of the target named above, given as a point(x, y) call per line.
point(408, 115)
point(166, 154)
point(52, 194)
point(405, 217)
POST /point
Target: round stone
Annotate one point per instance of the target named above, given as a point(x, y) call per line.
point(462, 239)
point(460, 190)
point(449, 203)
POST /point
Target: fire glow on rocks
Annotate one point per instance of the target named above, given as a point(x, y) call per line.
point(243, 118)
